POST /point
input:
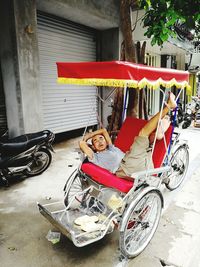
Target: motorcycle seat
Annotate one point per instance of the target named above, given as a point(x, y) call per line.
point(23, 142)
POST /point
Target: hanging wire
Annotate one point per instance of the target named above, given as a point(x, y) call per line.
point(94, 109)
point(174, 122)
point(160, 124)
point(108, 96)
point(126, 96)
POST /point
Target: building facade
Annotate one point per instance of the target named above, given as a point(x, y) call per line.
point(34, 36)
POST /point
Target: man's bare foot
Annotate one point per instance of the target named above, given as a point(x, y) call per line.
point(172, 101)
point(162, 128)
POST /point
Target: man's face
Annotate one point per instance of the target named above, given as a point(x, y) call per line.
point(99, 142)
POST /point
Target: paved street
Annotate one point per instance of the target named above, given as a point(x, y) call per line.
point(23, 230)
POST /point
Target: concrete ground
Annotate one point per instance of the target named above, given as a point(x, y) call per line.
point(23, 230)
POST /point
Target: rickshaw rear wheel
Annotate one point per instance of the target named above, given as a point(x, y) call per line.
point(140, 223)
point(179, 163)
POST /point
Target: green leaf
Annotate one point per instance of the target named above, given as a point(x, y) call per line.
point(164, 37)
point(165, 30)
point(160, 17)
point(153, 41)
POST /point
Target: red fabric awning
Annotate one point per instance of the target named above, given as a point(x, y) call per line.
point(119, 74)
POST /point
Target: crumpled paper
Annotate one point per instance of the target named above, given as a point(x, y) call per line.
point(53, 237)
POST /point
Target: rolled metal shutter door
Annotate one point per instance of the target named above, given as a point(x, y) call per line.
point(65, 107)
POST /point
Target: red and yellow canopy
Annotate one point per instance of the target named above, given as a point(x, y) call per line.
point(120, 74)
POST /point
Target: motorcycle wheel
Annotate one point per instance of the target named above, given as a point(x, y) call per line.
point(186, 125)
point(41, 161)
point(180, 119)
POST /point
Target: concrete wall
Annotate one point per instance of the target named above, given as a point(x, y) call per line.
point(9, 65)
point(28, 61)
point(196, 59)
point(110, 50)
point(110, 44)
point(20, 63)
point(98, 14)
point(180, 61)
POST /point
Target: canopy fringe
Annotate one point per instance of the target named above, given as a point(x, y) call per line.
point(129, 83)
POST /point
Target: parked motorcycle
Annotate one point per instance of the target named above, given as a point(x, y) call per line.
point(188, 117)
point(197, 119)
point(180, 113)
point(192, 110)
point(28, 155)
point(177, 117)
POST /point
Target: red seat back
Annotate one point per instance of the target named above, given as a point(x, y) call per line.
point(130, 129)
point(160, 150)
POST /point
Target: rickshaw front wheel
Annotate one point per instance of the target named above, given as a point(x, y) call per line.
point(179, 163)
point(74, 188)
point(140, 222)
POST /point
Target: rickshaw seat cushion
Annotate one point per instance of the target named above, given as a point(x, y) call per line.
point(130, 129)
point(103, 176)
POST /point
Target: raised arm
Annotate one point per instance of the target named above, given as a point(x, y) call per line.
point(84, 145)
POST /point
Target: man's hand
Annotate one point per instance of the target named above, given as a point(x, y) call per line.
point(87, 136)
point(101, 131)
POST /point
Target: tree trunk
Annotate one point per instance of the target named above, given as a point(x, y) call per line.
point(116, 117)
point(126, 28)
point(130, 52)
point(136, 103)
point(142, 103)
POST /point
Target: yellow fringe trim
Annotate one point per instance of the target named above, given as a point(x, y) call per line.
point(129, 83)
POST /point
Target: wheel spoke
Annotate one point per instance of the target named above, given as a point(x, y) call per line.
point(74, 189)
point(132, 240)
point(143, 221)
point(179, 163)
point(39, 163)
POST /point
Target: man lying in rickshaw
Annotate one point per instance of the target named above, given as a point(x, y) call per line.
point(96, 202)
point(104, 154)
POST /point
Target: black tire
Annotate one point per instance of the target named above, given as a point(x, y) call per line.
point(140, 223)
point(179, 163)
point(185, 124)
point(74, 186)
point(41, 161)
point(180, 119)
point(3, 181)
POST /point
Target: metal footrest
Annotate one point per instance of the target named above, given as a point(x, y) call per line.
point(63, 219)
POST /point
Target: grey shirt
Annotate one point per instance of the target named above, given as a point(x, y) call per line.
point(109, 159)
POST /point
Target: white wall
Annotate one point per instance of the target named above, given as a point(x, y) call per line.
point(195, 59)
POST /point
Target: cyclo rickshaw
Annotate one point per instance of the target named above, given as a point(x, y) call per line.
point(96, 201)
